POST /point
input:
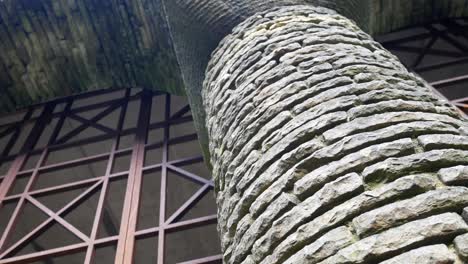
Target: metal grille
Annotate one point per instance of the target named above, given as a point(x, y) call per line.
point(113, 175)
point(439, 53)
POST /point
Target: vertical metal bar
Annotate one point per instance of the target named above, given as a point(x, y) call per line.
point(99, 210)
point(162, 201)
point(126, 242)
point(424, 51)
point(14, 137)
point(31, 141)
point(34, 135)
point(5, 185)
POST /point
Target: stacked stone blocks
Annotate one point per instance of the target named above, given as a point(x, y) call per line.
point(327, 150)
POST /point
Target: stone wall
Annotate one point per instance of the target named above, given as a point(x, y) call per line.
point(325, 149)
point(197, 26)
point(52, 48)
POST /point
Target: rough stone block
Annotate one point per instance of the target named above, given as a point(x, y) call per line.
point(443, 141)
point(323, 247)
point(314, 180)
point(399, 212)
point(421, 162)
point(436, 254)
point(398, 238)
point(454, 175)
point(366, 201)
point(461, 245)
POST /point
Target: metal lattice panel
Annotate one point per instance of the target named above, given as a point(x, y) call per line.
point(113, 175)
point(107, 175)
point(439, 53)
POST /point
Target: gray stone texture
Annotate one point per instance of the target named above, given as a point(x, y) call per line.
point(454, 175)
point(450, 198)
point(400, 238)
point(325, 148)
point(461, 246)
point(437, 254)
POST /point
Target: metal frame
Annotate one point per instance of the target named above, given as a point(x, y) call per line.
point(128, 233)
point(452, 33)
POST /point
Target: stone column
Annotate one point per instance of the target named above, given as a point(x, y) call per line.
point(327, 150)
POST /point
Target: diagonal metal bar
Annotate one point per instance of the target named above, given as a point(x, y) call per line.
point(27, 146)
point(450, 81)
point(406, 39)
point(217, 259)
point(189, 175)
point(57, 189)
point(186, 161)
point(37, 130)
point(49, 221)
point(456, 29)
point(130, 233)
point(163, 184)
point(181, 112)
point(7, 131)
point(94, 139)
point(444, 35)
point(183, 225)
point(96, 118)
point(460, 105)
point(437, 52)
point(181, 139)
point(17, 130)
point(102, 198)
point(47, 254)
point(58, 219)
point(88, 123)
point(126, 242)
point(197, 196)
point(436, 66)
point(424, 51)
point(192, 223)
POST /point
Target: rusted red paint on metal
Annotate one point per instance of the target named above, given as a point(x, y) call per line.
point(128, 232)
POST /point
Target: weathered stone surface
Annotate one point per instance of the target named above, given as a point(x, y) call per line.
point(461, 245)
point(292, 110)
point(308, 121)
point(269, 184)
point(259, 137)
point(242, 227)
point(398, 94)
point(345, 211)
point(451, 198)
point(224, 210)
point(436, 254)
point(243, 241)
point(246, 173)
point(335, 92)
point(353, 143)
point(400, 238)
point(381, 120)
point(421, 162)
point(273, 191)
point(248, 260)
point(322, 248)
point(355, 161)
point(465, 214)
point(454, 175)
point(334, 191)
point(430, 142)
point(400, 105)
